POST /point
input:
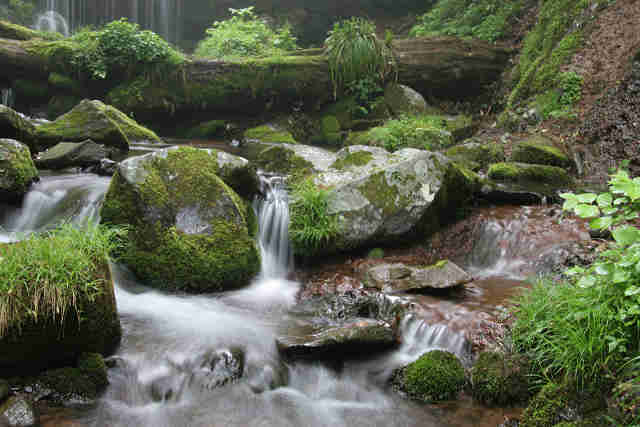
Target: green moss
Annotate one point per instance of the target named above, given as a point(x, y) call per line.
point(210, 129)
point(545, 408)
point(476, 156)
point(376, 253)
point(269, 134)
point(17, 170)
point(538, 150)
point(358, 158)
point(12, 31)
point(522, 172)
point(381, 194)
point(498, 379)
point(283, 160)
point(86, 381)
point(435, 376)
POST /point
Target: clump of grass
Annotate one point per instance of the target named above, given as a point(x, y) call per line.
point(355, 53)
point(312, 226)
point(44, 275)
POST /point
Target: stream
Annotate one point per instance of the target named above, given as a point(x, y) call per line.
point(167, 373)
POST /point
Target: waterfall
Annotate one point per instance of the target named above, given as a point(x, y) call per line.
point(53, 18)
point(7, 97)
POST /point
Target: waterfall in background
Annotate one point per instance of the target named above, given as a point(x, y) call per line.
point(53, 19)
point(7, 97)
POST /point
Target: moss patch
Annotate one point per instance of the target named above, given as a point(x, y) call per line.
point(539, 150)
point(12, 31)
point(435, 376)
point(17, 170)
point(269, 134)
point(545, 408)
point(522, 172)
point(283, 160)
point(210, 129)
point(476, 156)
point(498, 379)
point(86, 381)
point(358, 158)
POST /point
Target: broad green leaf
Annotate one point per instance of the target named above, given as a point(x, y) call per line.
point(604, 269)
point(633, 290)
point(609, 211)
point(587, 211)
point(626, 235)
point(620, 200)
point(604, 200)
point(586, 197)
point(586, 281)
point(621, 276)
point(601, 223)
point(571, 201)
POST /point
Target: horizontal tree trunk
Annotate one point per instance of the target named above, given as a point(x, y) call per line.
point(443, 67)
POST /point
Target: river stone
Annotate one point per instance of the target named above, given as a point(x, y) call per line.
point(402, 99)
point(391, 194)
point(402, 278)
point(475, 155)
point(17, 170)
point(96, 121)
point(356, 339)
point(220, 368)
point(539, 150)
point(524, 172)
point(292, 158)
point(72, 154)
point(18, 411)
point(14, 125)
point(188, 229)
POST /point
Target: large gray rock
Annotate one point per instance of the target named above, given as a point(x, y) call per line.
point(188, 229)
point(402, 99)
point(17, 170)
point(72, 154)
point(18, 411)
point(402, 278)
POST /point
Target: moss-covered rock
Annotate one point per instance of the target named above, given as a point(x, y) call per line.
point(12, 31)
point(435, 376)
point(289, 159)
point(499, 379)
point(269, 134)
point(401, 99)
point(209, 129)
point(15, 126)
point(541, 151)
point(85, 381)
point(93, 120)
point(545, 408)
point(72, 154)
point(348, 158)
point(189, 230)
point(17, 170)
point(475, 155)
point(523, 172)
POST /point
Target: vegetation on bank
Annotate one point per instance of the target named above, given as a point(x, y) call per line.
point(245, 35)
point(45, 275)
point(587, 329)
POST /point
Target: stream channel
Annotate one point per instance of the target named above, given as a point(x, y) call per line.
point(164, 372)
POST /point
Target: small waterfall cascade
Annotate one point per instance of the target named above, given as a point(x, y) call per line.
point(7, 97)
point(53, 20)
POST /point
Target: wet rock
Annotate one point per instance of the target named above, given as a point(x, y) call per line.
point(524, 172)
point(476, 156)
point(106, 167)
point(360, 338)
point(17, 171)
point(517, 193)
point(539, 150)
point(72, 154)
point(220, 368)
point(403, 278)
point(188, 229)
point(19, 411)
point(15, 126)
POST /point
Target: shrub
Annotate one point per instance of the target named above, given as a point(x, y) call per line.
point(312, 226)
point(245, 35)
point(422, 132)
point(589, 327)
point(355, 53)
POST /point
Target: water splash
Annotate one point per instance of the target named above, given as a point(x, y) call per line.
point(52, 19)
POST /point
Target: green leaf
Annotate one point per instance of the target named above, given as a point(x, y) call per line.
point(586, 198)
point(571, 201)
point(604, 200)
point(604, 269)
point(601, 223)
point(633, 290)
point(626, 235)
point(587, 211)
point(586, 281)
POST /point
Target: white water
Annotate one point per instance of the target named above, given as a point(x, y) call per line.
point(7, 97)
point(52, 20)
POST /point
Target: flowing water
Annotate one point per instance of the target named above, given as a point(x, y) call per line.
point(7, 97)
point(177, 350)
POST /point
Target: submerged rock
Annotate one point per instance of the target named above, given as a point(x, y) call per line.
point(96, 121)
point(360, 338)
point(188, 229)
point(17, 170)
point(219, 368)
point(19, 411)
point(403, 278)
point(72, 154)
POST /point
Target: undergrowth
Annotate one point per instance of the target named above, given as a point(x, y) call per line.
point(420, 131)
point(45, 274)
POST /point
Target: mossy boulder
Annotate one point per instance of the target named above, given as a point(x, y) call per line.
point(188, 229)
point(475, 155)
point(15, 125)
point(72, 154)
point(269, 134)
point(436, 376)
point(209, 129)
point(399, 277)
point(85, 381)
point(546, 407)
point(401, 99)
point(291, 159)
point(524, 172)
point(541, 151)
point(499, 379)
point(93, 120)
point(17, 170)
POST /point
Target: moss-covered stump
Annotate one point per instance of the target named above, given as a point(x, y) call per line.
point(188, 229)
point(17, 170)
point(475, 155)
point(524, 172)
point(546, 407)
point(96, 121)
point(499, 379)
point(15, 126)
point(72, 154)
point(209, 129)
point(51, 316)
point(269, 134)
point(541, 151)
point(435, 376)
point(85, 381)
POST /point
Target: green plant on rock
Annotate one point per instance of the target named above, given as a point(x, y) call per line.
point(355, 53)
point(589, 327)
point(422, 132)
point(245, 35)
point(435, 376)
point(312, 226)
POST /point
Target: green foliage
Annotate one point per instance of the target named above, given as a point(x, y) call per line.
point(312, 226)
point(18, 11)
point(120, 48)
point(482, 19)
point(545, 408)
point(245, 35)
point(364, 91)
point(423, 132)
point(499, 379)
point(44, 274)
point(589, 327)
point(436, 375)
point(356, 54)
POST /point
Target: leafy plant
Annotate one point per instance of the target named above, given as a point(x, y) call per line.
point(312, 226)
point(422, 132)
point(355, 53)
point(589, 327)
point(365, 91)
point(245, 35)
